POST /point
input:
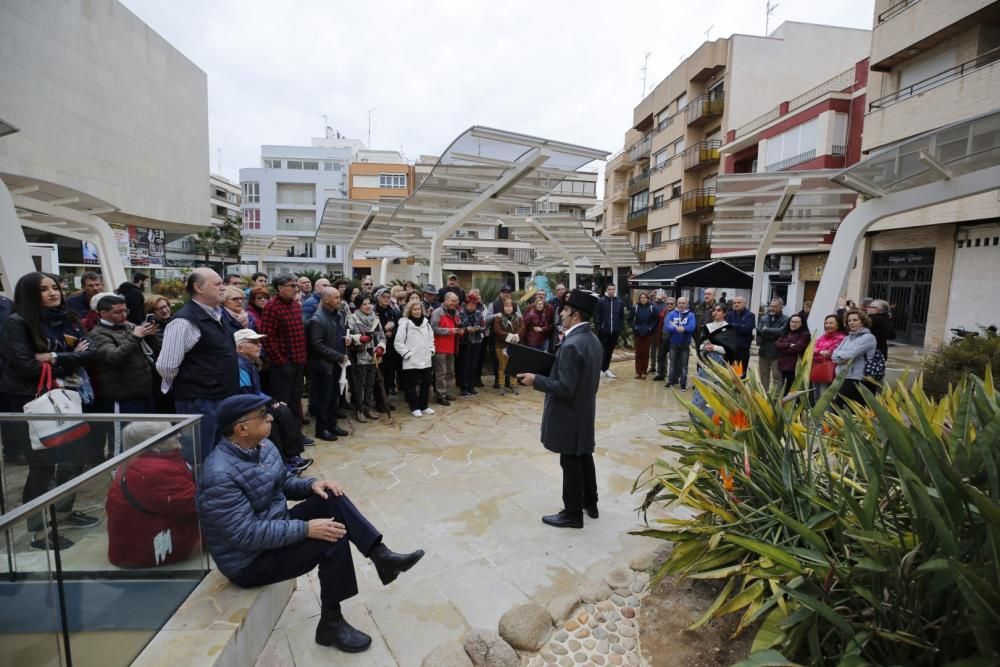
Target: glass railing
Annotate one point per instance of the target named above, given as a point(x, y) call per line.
point(100, 535)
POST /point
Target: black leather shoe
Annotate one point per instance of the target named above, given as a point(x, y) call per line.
point(333, 630)
point(336, 430)
point(307, 441)
point(390, 564)
point(444, 401)
point(592, 511)
point(326, 435)
point(564, 519)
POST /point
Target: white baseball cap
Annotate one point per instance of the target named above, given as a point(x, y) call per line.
point(247, 334)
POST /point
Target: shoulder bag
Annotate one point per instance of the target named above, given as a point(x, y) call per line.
point(48, 434)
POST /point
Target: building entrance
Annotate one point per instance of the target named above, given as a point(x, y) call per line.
point(903, 278)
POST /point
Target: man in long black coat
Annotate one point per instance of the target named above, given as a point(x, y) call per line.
point(571, 408)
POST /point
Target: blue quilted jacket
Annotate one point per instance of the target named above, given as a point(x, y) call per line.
point(242, 504)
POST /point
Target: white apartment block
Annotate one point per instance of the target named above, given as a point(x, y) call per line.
point(224, 199)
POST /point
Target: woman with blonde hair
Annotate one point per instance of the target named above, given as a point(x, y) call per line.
point(234, 315)
point(508, 327)
point(414, 342)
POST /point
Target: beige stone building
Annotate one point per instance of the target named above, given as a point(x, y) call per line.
point(660, 188)
point(938, 267)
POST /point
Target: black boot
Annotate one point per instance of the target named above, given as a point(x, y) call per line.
point(564, 519)
point(390, 564)
point(333, 630)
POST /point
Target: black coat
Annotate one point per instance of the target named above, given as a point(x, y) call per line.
point(884, 331)
point(134, 301)
point(325, 333)
point(571, 394)
point(21, 370)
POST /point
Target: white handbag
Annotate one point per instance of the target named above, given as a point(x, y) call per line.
point(49, 434)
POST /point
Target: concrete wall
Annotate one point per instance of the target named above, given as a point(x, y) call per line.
point(973, 299)
point(916, 23)
point(757, 81)
point(106, 107)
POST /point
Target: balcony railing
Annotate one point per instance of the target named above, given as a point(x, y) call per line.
point(838, 150)
point(950, 74)
point(638, 183)
point(702, 109)
point(792, 161)
point(641, 148)
point(895, 9)
point(665, 123)
point(702, 154)
point(832, 85)
point(637, 219)
point(697, 201)
point(688, 247)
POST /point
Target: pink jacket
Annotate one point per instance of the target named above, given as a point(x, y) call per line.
point(828, 342)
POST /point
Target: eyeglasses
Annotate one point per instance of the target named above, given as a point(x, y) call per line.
point(289, 285)
point(260, 415)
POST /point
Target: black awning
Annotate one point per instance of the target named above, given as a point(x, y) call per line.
point(709, 273)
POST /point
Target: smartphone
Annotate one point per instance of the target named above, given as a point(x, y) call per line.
point(150, 319)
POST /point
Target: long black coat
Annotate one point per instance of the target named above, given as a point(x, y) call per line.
point(571, 394)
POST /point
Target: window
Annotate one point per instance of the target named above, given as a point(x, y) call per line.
point(674, 231)
point(251, 219)
point(662, 116)
point(331, 252)
point(251, 193)
point(327, 166)
point(289, 220)
point(660, 158)
point(682, 101)
point(796, 142)
point(294, 164)
point(659, 198)
point(640, 200)
point(522, 210)
point(311, 166)
point(839, 131)
point(272, 164)
point(675, 189)
point(656, 238)
point(392, 181)
point(678, 146)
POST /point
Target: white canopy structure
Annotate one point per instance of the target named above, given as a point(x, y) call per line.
point(766, 212)
point(949, 163)
point(486, 181)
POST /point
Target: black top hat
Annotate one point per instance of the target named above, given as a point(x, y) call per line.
point(582, 299)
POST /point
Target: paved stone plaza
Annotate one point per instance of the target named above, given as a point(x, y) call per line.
point(469, 485)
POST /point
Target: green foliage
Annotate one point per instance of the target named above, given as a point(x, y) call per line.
point(946, 367)
point(223, 240)
point(862, 535)
point(489, 289)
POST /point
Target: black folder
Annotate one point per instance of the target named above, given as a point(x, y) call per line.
point(524, 359)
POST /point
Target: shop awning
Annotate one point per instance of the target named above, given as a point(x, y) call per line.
point(709, 273)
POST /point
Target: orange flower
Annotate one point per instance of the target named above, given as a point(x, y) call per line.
point(727, 480)
point(738, 368)
point(739, 420)
point(826, 429)
point(717, 419)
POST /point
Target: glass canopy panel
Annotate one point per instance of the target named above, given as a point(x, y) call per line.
point(952, 150)
point(267, 245)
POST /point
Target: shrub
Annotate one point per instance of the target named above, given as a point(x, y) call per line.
point(946, 367)
point(868, 534)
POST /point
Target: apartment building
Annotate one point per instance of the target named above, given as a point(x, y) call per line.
point(387, 177)
point(938, 63)
point(285, 196)
point(660, 189)
point(819, 129)
point(224, 199)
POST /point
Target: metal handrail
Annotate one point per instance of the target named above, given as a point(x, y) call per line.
point(644, 174)
point(63, 490)
point(705, 239)
point(895, 9)
point(693, 154)
point(941, 78)
point(833, 84)
point(788, 162)
point(638, 213)
point(704, 106)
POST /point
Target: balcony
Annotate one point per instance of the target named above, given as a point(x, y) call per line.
point(639, 182)
point(696, 202)
point(641, 148)
point(619, 192)
point(637, 220)
point(706, 107)
point(941, 78)
point(702, 154)
point(791, 162)
point(688, 248)
point(616, 225)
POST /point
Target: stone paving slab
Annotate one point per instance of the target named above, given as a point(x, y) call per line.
point(469, 485)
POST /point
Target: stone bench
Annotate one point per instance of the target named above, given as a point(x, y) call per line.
point(220, 624)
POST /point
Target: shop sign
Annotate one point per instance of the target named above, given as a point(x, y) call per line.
point(904, 258)
point(140, 246)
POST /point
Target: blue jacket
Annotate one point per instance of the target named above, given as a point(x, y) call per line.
point(609, 314)
point(242, 504)
point(309, 307)
point(675, 318)
point(644, 319)
point(743, 324)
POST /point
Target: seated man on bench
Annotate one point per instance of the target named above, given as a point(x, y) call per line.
point(243, 489)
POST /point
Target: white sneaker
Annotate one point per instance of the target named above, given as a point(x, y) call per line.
point(417, 413)
point(429, 411)
point(610, 374)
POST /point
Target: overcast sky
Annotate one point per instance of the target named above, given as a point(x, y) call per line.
point(569, 71)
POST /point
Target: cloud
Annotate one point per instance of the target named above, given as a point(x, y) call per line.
point(564, 70)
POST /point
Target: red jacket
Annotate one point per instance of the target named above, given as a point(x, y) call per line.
point(445, 343)
point(533, 318)
point(166, 529)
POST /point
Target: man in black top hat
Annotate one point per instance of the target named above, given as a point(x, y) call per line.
point(571, 409)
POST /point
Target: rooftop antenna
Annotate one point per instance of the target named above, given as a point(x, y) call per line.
point(371, 120)
point(768, 10)
point(708, 31)
point(645, 68)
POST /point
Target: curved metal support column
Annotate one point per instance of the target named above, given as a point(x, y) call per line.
point(99, 233)
point(383, 270)
point(756, 295)
point(858, 221)
point(15, 256)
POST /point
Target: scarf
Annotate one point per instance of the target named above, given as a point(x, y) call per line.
point(62, 336)
point(366, 323)
point(241, 317)
point(419, 321)
point(509, 322)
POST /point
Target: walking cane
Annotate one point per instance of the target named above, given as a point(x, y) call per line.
point(380, 386)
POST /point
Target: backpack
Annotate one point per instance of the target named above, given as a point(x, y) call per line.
point(875, 367)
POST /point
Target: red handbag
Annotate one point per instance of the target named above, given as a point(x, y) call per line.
point(823, 371)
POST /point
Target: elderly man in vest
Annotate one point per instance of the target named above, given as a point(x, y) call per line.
point(197, 357)
point(571, 408)
point(255, 539)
